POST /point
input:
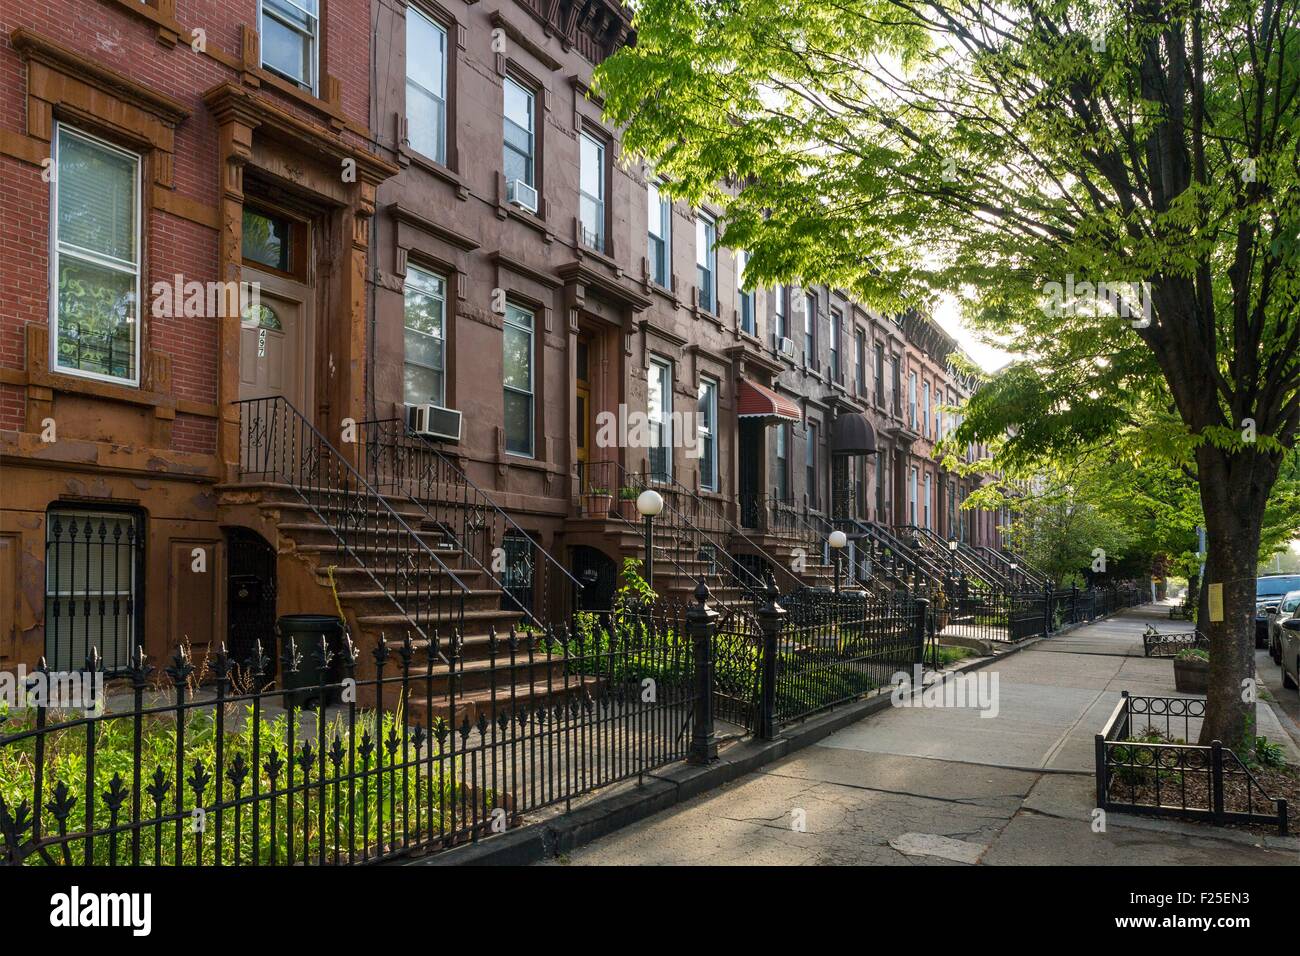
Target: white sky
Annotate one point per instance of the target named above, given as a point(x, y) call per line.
point(988, 357)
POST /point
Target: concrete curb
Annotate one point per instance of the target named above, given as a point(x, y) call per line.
point(673, 785)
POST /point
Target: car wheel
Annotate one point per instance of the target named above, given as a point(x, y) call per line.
point(1287, 680)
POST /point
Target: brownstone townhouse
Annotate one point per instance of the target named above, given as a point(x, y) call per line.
point(478, 333)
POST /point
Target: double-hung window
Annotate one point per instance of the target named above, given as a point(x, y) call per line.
point(911, 497)
point(780, 315)
point(882, 474)
point(925, 409)
point(518, 380)
point(290, 30)
point(659, 410)
point(783, 461)
point(95, 253)
point(746, 297)
point(659, 214)
point(810, 465)
point(860, 362)
point(591, 199)
point(520, 110)
point(837, 322)
point(911, 399)
point(928, 492)
point(425, 307)
point(810, 330)
point(426, 85)
point(708, 434)
point(880, 375)
point(706, 261)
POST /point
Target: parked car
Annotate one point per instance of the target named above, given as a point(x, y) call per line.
point(1286, 610)
point(1269, 591)
point(1291, 653)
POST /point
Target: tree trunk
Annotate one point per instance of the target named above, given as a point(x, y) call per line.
point(1234, 489)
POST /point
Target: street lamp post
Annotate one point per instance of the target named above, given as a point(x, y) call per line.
point(648, 504)
point(837, 541)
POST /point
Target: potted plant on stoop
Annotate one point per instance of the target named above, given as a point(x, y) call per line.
point(597, 502)
point(1192, 670)
point(627, 496)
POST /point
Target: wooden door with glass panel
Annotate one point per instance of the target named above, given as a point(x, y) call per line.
point(274, 339)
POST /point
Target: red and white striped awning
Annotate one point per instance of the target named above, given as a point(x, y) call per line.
point(759, 401)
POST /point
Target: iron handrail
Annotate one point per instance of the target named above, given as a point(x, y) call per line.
point(417, 442)
point(973, 567)
point(412, 587)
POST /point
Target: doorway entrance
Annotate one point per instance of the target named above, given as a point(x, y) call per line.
point(751, 471)
point(250, 595)
point(275, 342)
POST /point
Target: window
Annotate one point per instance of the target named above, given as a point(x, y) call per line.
point(810, 464)
point(746, 298)
point(289, 31)
point(783, 461)
point(880, 374)
point(952, 510)
point(860, 361)
point(780, 315)
point(706, 260)
point(659, 409)
point(660, 215)
point(96, 253)
point(520, 105)
point(591, 199)
point(925, 409)
point(426, 305)
point(897, 387)
point(882, 472)
point(911, 399)
point(837, 322)
point(517, 379)
point(426, 85)
point(267, 240)
point(92, 565)
point(926, 508)
point(911, 497)
point(810, 330)
point(708, 427)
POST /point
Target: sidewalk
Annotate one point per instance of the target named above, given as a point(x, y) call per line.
point(947, 786)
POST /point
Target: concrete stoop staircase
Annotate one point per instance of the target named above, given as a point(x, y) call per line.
point(314, 568)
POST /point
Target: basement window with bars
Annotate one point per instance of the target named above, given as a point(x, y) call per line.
point(517, 577)
point(93, 564)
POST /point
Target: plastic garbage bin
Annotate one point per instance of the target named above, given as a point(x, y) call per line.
point(303, 685)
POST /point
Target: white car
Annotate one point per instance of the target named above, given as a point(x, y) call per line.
point(1286, 609)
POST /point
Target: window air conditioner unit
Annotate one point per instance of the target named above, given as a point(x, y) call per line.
point(434, 421)
point(522, 195)
point(785, 345)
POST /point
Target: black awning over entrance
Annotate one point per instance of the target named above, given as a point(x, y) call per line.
point(853, 435)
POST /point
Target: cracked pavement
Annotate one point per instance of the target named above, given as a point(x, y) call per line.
point(946, 787)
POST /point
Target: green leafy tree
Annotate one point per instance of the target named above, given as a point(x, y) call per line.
point(1110, 185)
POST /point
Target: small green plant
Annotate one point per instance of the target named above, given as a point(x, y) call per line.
point(1269, 754)
point(628, 494)
point(600, 492)
point(1192, 654)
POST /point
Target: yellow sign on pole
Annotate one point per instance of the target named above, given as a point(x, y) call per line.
point(1216, 602)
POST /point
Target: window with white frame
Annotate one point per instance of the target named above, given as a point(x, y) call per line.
point(780, 314)
point(517, 380)
point(659, 214)
point(426, 85)
point(706, 261)
point(882, 474)
point(837, 323)
point(746, 297)
point(518, 125)
point(911, 497)
point(925, 409)
point(591, 189)
point(707, 419)
point(810, 329)
point(911, 399)
point(928, 493)
point(290, 30)
point(659, 410)
point(95, 252)
point(860, 361)
point(425, 307)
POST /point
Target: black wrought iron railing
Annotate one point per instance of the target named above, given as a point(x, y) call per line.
point(953, 560)
point(278, 445)
point(530, 579)
point(1147, 764)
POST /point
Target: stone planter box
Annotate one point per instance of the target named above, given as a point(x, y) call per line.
point(1191, 677)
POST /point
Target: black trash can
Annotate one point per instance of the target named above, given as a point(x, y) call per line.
point(303, 685)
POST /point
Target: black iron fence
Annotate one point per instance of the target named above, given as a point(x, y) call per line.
point(1145, 764)
point(1169, 643)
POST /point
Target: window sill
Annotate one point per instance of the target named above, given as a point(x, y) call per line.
point(434, 168)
